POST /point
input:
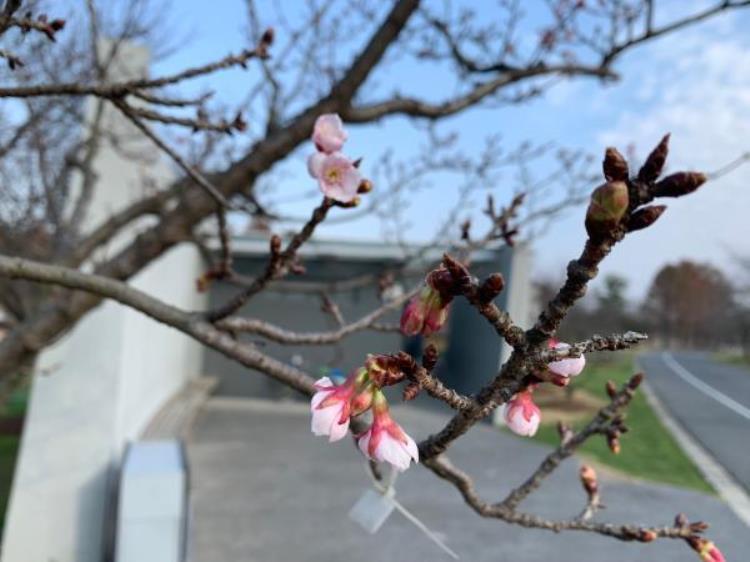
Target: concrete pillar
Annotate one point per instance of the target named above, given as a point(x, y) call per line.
point(98, 387)
point(520, 300)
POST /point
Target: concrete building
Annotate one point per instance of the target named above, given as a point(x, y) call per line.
point(99, 387)
point(469, 349)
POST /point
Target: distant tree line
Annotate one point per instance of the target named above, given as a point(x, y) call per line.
point(688, 304)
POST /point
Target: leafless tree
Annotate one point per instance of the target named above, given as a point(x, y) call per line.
point(691, 304)
point(316, 69)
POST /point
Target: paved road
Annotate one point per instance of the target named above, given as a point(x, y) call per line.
point(712, 402)
point(264, 489)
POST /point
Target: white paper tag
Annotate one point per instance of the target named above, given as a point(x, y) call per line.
point(371, 510)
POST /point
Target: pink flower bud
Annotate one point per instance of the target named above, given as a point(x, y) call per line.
point(412, 319)
point(570, 367)
point(328, 133)
point(707, 550)
point(332, 406)
point(522, 415)
point(385, 441)
point(425, 314)
point(337, 176)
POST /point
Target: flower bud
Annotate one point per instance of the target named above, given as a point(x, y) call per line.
point(647, 535)
point(611, 389)
point(613, 442)
point(429, 357)
point(491, 287)
point(427, 312)
point(614, 166)
point(645, 217)
point(384, 370)
point(589, 480)
point(679, 184)
point(411, 391)
point(522, 415)
point(328, 133)
point(365, 186)
point(568, 367)
point(268, 36)
point(698, 526)
point(654, 164)
point(609, 203)
point(635, 381)
point(459, 276)
point(707, 550)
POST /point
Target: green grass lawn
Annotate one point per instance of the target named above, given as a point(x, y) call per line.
point(738, 360)
point(648, 450)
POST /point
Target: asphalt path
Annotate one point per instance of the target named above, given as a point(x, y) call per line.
point(711, 400)
point(263, 488)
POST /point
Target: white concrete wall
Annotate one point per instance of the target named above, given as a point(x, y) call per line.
point(99, 386)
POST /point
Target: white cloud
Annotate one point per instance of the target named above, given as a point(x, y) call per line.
point(695, 85)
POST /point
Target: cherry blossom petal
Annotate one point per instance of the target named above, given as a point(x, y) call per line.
point(364, 444)
point(338, 430)
point(393, 452)
point(323, 419)
point(315, 163)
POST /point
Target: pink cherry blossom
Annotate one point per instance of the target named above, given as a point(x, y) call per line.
point(330, 409)
point(522, 415)
point(328, 133)
point(332, 406)
point(385, 441)
point(337, 176)
point(569, 367)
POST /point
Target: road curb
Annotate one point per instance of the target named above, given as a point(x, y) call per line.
point(724, 483)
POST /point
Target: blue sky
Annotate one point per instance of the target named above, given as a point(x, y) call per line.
point(695, 85)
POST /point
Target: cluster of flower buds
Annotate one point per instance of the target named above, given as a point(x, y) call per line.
point(427, 312)
point(617, 426)
point(333, 406)
point(520, 413)
point(338, 176)
point(43, 24)
point(610, 202)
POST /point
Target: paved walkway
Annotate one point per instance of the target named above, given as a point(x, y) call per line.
point(263, 489)
point(710, 399)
